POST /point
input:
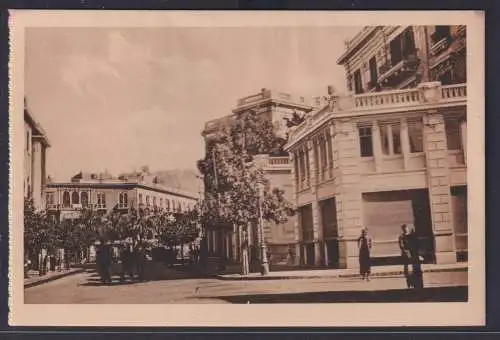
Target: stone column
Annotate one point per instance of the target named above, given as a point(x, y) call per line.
point(349, 199)
point(405, 142)
point(438, 178)
point(331, 150)
point(377, 146)
point(317, 232)
point(294, 160)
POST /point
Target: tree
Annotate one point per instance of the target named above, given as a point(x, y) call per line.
point(295, 120)
point(38, 231)
point(232, 178)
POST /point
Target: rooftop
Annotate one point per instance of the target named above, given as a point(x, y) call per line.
point(38, 131)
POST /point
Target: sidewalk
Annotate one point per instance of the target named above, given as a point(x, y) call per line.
point(51, 276)
point(379, 271)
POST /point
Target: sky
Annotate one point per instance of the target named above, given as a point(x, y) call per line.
point(116, 99)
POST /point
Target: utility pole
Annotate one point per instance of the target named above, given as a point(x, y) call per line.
point(263, 248)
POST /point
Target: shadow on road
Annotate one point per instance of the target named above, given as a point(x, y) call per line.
point(434, 294)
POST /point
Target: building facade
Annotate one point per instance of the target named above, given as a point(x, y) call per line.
point(379, 160)
point(36, 144)
point(398, 57)
point(274, 106)
point(103, 193)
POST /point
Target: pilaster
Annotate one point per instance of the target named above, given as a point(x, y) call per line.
point(438, 176)
point(312, 166)
point(377, 146)
point(348, 200)
point(405, 142)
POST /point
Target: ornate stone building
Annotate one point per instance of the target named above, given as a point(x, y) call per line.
point(399, 57)
point(103, 193)
point(380, 160)
point(273, 106)
point(36, 144)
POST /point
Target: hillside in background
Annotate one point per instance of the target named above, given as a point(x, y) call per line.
point(184, 179)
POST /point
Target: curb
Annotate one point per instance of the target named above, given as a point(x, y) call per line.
point(53, 278)
point(395, 273)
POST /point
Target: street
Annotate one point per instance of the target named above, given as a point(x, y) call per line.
point(85, 288)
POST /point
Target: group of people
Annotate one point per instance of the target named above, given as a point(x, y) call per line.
point(133, 262)
point(410, 255)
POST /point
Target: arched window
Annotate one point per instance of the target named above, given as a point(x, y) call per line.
point(75, 198)
point(66, 199)
point(123, 200)
point(85, 199)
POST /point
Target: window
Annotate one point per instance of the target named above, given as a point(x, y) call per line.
point(391, 138)
point(358, 83)
point(161, 202)
point(167, 202)
point(154, 201)
point(49, 201)
point(66, 199)
point(140, 199)
point(373, 71)
point(85, 199)
point(75, 198)
point(415, 134)
point(101, 200)
point(453, 134)
point(123, 200)
point(440, 32)
point(365, 141)
point(147, 201)
point(179, 208)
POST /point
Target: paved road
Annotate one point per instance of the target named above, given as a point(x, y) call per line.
point(85, 288)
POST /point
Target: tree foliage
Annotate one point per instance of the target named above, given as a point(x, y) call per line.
point(234, 182)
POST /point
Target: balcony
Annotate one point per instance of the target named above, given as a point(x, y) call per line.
point(412, 99)
point(393, 74)
point(440, 46)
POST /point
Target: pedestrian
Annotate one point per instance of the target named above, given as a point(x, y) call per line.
point(126, 258)
point(404, 246)
point(104, 262)
point(417, 274)
point(364, 247)
point(244, 254)
point(140, 257)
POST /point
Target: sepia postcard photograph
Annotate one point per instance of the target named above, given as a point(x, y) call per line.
point(247, 168)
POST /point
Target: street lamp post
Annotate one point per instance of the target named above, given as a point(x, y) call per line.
point(265, 263)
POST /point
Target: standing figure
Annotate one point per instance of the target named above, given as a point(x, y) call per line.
point(244, 254)
point(404, 246)
point(104, 262)
point(141, 262)
point(364, 246)
point(417, 274)
point(127, 265)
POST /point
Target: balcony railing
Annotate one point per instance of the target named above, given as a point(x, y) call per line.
point(409, 63)
point(278, 161)
point(362, 104)
point(440, 46)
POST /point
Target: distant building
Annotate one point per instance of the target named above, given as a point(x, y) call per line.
point(273, 106)
point(102, 193)
point(36, 144)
